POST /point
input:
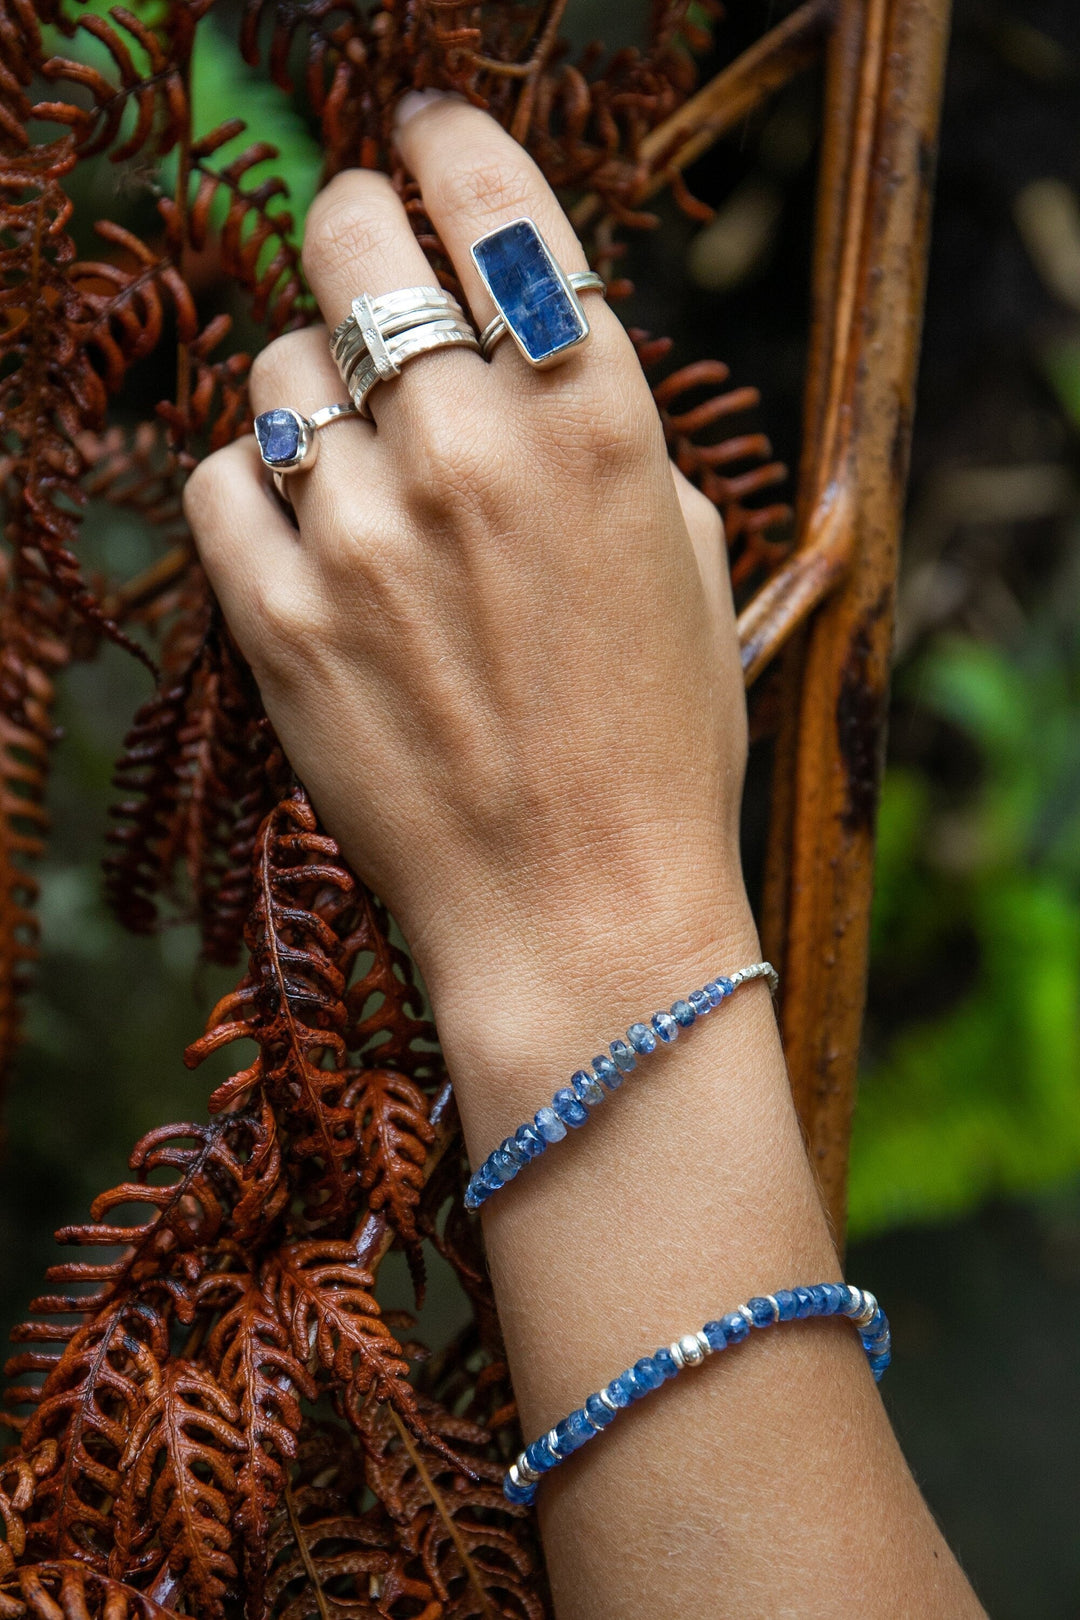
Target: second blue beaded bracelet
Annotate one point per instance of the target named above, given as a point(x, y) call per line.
point(569, 1107)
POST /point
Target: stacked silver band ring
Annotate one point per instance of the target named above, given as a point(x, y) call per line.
point(496, 329)
point(379, 335)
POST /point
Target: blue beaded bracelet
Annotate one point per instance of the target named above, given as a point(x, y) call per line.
point(569, 1108)
point(788, 1304)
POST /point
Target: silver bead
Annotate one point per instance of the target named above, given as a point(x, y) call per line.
point(602, 1395)
point(747, 1315)
point(552, 1442)
point(775, 1306)
point(529, 1474)
point(866, 1315)
point(676, 1353)
point(692, 1352)
point(706, 1347)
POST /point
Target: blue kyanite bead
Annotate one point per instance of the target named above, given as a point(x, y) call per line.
point(726, 986)
point(278, 436)
point(523, 280)
point(540, 1456)
point(623, 1056)
point(623, 1389)
point(641, 1038)
point(529, 1140)
point(490, 1177)
point(568, 1108)
point(474, 1194)
point(521, 1495)
point(786, 1303)
point(701, 1002)
point(513, 1150)
point(564, 1442)
point(819, 1299)
point(586, 1087)
point(503, 1165)
point(804, 1305)
point(735, 1326)
point(580, 1427)
point(665, 1026)
point(599, 1412)
point(714, 1332)
point(762, 1311)
point(835, 1297)
point(605, 1070)
point(666, 1363)
point(647, 1374)
point(549, 1125)
point(683, 1014)
point(854, 1302)
point(714, 993)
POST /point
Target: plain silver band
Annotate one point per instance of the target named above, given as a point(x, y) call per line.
point(496, 328)
point(330, 413)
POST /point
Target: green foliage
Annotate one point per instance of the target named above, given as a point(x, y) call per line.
point(981, 1098)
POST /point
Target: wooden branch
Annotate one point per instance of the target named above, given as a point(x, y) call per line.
point(883, 97)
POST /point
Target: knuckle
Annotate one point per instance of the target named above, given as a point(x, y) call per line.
point(203, 489)
point(483, 185)
point(348, 221)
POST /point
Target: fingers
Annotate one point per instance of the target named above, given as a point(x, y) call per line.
point(297, 370)
point(358, 239)
point(246, 543)
point(475, 177)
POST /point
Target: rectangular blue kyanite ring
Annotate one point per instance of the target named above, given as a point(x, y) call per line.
point(541, 309)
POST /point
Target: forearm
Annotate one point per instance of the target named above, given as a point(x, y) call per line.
point(768, 1473)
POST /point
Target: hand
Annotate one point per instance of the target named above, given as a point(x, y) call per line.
point(500, 651)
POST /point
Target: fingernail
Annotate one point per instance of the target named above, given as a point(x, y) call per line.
point(414, 101)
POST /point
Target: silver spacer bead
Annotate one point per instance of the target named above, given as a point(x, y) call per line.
point(692, 1353)
point(552, 1442)
point(528, 1475)
point(747, 1315)
point(677, 1356)
point(603, 1395)
point(706, 1347)
point(866, 1315)
point(775, 1306)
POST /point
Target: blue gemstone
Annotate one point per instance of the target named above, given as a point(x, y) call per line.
point(714, 992)
point(666, 1363)
point(647, 1374)
point(278, 436)
point(521, 1495)
point(786, 1303)
point(529, 1140)
point(586, 1087)
point(549, 1125)
point(564, 1442)
point(568, 1108)
point(641, 1038)
point(540, 1456)
point(580, 1427)
point(624, 1056)
point(474, 1194)
point(726, 986)
point(605, 1070)
point(735, 1326)
point(523, 279)
point(503, 1165)
point(818, 1299)
point(622, 1389)
point(804, 1304)
point(762, 1312)
point(665, 1026)
point(835, 1297)
point(683, 1014)
point(513, 1150)
point(490, 1177)
point(599, 1411)
point(699, 1000)
point(854, 1302)
point(715, 1334)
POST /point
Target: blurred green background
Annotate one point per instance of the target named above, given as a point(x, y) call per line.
point(965, 1190)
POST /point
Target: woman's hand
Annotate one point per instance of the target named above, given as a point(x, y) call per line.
point(500, 651)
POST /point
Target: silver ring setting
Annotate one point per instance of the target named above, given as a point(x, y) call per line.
point(288, 441)
point(496, 329)
point(379, 335)
point(536, 302)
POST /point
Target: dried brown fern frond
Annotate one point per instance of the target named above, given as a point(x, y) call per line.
point(59, 1589)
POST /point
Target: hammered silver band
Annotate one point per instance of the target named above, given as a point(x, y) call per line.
point(379, 335)
point(496, 329)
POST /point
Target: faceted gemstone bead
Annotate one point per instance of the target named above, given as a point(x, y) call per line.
point(605, 1070)
point(521, 1494)
point(529, 1140)
point(647, 1374)
point(726, 986)
point(714, 1332)
point(474, 1196)
point(854, 1300)
point(540, 1457)
point(714, 992)
point(641, 1038)
point(762, 1312)
point(568, 1108)
point(278, 435)
point(623, 1389)
point(549, 1125)
point(786, 1303)
point(601, 1414)
point(683, 1014)
point(835, 1295)
point(623, 1056)
point(564, 1442)
point(503, 1165)
point(804, 1304)
point(512, 1148)
point(735, 1326)
point(666, 1363)
point(818, 1298)
point(579, 1426)
point(700, 1002)
point(587, 1088)
point(665, 1026)
point(523, 280)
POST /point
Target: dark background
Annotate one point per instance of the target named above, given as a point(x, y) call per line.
point(966, 1179)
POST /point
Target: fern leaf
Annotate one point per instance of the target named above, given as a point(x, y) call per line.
point(395, 1135)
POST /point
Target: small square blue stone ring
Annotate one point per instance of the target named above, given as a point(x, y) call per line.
point(536, 302)
point(288, 441)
